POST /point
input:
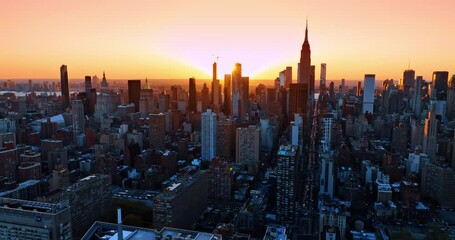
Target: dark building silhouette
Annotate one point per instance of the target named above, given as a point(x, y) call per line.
point(216, 90)
point(298, 100)
point(88, 85)
point(92, 101)
point(244, 104)
point(408, 81)
point(451, 98)
point(304, 66)
point(192, 106)
point(440, 84)
point(225, 142)
point(88, 95)
point(237, 90)
point(306, 75)
point(89, 198)
point(134, 93)
point(220, 179)
point(64, 87)
point(171, 207)
point(205, 98)
point(227, 95)
point(288, 178)
point(157, 130)
point(48, 129)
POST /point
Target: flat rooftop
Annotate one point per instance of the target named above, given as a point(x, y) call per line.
point(32, 206)
point(108, 231)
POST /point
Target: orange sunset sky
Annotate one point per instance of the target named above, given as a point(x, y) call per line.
point(177, 39)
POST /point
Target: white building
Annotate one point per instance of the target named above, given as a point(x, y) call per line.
point(415, 162)
point(326, 139)
point(208, 135)
point(78, 118)
point(368, 93)
point(326, 177)
point(296, 131)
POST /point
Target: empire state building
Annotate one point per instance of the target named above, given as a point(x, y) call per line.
point(302, 93)
point(304, 67)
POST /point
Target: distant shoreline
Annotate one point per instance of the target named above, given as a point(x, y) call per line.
point(183, 82)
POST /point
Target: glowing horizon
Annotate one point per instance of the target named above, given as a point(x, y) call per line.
point(171, 40)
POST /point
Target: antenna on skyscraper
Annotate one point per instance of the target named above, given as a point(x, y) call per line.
point(409, 63)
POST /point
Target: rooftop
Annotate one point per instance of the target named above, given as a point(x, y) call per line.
point(275, 233)
point(108, 231)
point(32, 206)
point(21, 185)
point(287, 150)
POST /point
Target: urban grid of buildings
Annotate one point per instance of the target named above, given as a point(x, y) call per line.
point(214, 160)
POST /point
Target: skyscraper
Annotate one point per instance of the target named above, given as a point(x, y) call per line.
point(304, 66)
point(440, 84)
point(225, 142)
point(96, 82)
point(287, 77)
point(322, 83)
point(215, 88)
point(248, 147)
point(172, 208)
point(134, 93)
point(192, 106)
point(417, 103)
point(298, 101)
point(326, 138)
point(429, 133)
point(368, 93)
point(245, 99)
point(220, 179)
point(305, 75)
point(437, 183)
point(288, 177)
point(205, 98)
point(64, 87)
point(147, 101)
point(89, 198)
point(297, 131)
point(157, 130)
point(208, 135)
point(236, 89)
point(104, 85)
point(88, 85)
point(78, 118)
point(326, 176)
point(342, 87)
point(451, 98)
point(407, 81)
point(90, 98)
point(359, 88)
point(227, 95)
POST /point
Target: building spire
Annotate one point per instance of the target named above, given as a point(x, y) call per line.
point(306, 31)
point(146, 84)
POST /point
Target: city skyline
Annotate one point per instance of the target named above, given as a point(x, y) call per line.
point(162, 40)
